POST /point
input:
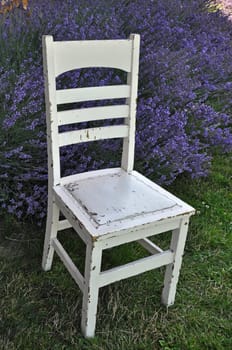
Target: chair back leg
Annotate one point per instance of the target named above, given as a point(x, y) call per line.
point(51, 232)
point(173, 270)
point(91, 289)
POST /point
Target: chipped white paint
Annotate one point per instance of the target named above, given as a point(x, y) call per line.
point(92, 134)
point(127, 162)
point(125, 198)
point(172, 270)
point(51, 231)
point(107, 207)
point(53, 155)
point(132, 208)
point(90, 296)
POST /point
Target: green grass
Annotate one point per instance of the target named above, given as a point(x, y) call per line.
point(42, 310)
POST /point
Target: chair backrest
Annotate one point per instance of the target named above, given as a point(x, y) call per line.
point(63, 56)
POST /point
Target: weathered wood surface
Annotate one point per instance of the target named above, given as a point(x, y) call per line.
point(92, 134)
point(106, 207)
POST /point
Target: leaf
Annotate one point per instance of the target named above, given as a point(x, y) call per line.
point(7, 6)
point(25, 4)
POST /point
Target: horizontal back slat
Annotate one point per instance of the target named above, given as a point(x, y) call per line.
point(92, 134)
point(71, 55)
point(92, 93)
point(93, 113)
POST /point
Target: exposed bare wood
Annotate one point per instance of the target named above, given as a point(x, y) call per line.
point(92, 134)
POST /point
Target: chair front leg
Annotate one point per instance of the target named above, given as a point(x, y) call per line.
point(51, 232)
point(91, 289)
point(173, 270)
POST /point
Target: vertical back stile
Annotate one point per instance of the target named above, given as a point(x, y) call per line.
point(127, 162)
point(51, 112)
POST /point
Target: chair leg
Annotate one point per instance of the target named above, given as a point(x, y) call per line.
point(91, 289)
point(173, 270)
point(51, 232)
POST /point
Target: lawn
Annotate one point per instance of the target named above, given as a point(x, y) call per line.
point(42, 310)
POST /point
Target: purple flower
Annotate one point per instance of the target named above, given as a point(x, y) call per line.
point(184, 104)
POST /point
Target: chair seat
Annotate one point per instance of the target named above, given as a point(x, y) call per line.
point(110, 200)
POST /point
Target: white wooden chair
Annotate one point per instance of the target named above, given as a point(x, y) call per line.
point(112, 206)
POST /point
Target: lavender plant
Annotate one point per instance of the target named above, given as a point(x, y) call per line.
point(184, 103)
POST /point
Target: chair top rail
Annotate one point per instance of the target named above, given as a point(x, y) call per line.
point(71, 55)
